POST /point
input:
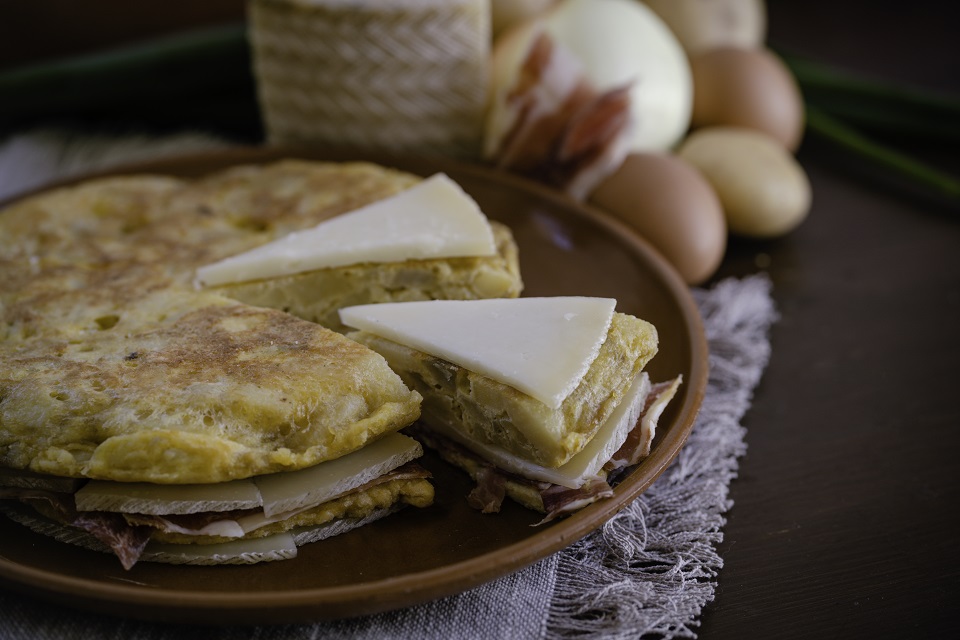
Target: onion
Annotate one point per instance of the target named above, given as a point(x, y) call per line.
point(617, 43)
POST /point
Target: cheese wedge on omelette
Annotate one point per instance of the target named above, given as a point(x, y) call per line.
point(542, 399)
point(429, 241)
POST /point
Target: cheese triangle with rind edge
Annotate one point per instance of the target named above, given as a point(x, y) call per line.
point(433, 219)
point(540, 346)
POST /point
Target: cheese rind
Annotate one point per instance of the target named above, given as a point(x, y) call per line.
point(285, 492)
point(161, 499)
point(540, 346)
point(23, 479)
point(280, 546)
point(433, 219)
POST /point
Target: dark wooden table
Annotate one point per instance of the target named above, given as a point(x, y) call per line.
point(844, 522)
point(845, 518)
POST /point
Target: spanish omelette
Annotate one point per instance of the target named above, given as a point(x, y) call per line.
point(114, 366)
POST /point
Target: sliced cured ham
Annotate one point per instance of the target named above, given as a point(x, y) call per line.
point(555, 126)
point(494, 484)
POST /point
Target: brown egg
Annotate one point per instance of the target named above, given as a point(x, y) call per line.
point(673, 207)
point(748, 88)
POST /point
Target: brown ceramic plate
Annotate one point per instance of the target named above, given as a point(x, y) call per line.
point(416, 555)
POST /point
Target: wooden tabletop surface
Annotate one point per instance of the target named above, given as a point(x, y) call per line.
point(844, 521)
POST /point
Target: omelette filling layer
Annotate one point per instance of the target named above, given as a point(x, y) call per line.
point(161, 524)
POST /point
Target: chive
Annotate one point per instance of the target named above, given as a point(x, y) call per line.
point(884, 157)
point(877, 105)
point(166, 73)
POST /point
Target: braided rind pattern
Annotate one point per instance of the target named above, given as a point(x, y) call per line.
point(409, 75)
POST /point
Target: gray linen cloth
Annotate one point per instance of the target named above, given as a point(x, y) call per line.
point(649, 571)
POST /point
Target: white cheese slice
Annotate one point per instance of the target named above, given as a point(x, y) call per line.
point(433, 219)
point(248, 551)
point(540, 346)
point(23, 479)
point(280, 494)
point(163, 499)
point(583, 466)
point(283, 493)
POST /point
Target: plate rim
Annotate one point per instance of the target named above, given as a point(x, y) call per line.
point(311, 604)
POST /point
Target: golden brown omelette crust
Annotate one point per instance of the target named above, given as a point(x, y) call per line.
point(113, 366)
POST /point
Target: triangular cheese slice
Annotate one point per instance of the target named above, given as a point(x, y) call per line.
point(433, 219)
point(540, 346)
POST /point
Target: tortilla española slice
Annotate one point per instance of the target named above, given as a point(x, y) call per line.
point(430, 241)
